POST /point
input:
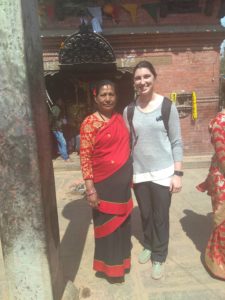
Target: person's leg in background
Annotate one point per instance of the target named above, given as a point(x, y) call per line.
point(77, 142)
point(62, 147)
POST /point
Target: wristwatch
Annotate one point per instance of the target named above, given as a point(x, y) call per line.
point(179, 173)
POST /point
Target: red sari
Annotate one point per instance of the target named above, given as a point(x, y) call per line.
point(215, 187)
point(104, 154)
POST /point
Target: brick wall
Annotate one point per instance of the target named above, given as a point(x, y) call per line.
point(195, 134)
point(188, 71)
point(182, 65)
point(199, 72)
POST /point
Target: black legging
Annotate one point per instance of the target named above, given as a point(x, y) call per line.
point(154, 203)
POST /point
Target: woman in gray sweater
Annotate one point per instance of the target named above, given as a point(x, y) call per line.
point(157, 161)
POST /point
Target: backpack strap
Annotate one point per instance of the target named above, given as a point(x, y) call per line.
point(130, 115)
point(165, 111)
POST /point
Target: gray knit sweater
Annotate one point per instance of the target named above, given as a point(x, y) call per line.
point(155, 150)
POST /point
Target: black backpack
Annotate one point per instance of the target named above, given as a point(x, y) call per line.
point(165, 114)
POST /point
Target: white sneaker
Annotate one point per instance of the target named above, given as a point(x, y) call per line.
point(144, 256)
point(157, 270)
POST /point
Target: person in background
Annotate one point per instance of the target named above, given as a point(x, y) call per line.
point(157, 161)
point(107, 171)
point(57, 121)
point(77, 144)
point(215, 187)
point(96, 18)
point(88, 20)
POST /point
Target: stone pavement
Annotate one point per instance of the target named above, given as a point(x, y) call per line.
point(190, 226)
point(3, 290)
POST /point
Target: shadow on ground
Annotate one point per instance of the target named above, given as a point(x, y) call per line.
point(72, 245)
point(73, 241)
point(136, 227)
point(198, 228)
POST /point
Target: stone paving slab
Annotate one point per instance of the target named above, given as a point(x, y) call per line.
point(190, 226)
point(3, 283)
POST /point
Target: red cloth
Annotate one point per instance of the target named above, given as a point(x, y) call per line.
point(113, 208)
point(215, 187)
point(111, 225)
point(111, 149)
point(203, 186)
point(104, 147)
point(112, 271)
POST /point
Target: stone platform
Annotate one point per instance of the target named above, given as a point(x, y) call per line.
point(190, 225)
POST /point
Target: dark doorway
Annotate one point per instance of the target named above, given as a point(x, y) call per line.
point(76, 92)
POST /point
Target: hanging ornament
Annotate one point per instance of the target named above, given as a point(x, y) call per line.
point(194, 106)
point(221, 12)
point(112, 11)
point(116, 13)
point(152, 9)
point(173, 97)
point(163, 8)
point(108, 9)
point(209, 5)
point(132, 9)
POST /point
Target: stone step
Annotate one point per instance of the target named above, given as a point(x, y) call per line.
point(66, 166)
point(73, 165)
point(196, 162)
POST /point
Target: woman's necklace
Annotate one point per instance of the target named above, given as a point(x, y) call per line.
point(104, 119)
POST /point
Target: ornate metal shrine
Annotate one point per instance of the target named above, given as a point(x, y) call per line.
point(186, 104)
point(87, 51)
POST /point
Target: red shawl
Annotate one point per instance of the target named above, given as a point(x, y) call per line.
point(111, 149)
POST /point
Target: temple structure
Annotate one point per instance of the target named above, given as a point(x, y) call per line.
point(181, 38)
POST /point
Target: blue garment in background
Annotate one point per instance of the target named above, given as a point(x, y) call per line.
point(61, 142)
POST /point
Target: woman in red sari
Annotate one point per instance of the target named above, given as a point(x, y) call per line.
point(107, 171)
point(215, 186)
